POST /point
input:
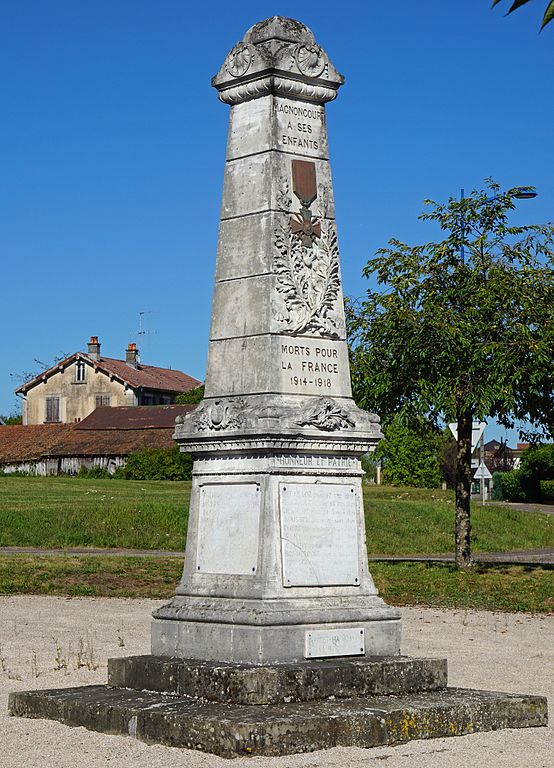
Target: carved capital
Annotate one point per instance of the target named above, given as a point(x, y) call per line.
point(278, 56)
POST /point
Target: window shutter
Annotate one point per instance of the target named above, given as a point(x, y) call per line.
point(52, 409)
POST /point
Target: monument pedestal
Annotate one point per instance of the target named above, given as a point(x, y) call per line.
point(276, 563)
point(276, 640)
point(239, 709)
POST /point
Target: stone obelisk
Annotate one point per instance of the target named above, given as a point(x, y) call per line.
point(276, 641)
point(276, 565)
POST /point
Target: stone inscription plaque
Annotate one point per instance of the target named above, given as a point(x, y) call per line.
point(321, 643)
point(228, 529)
point(300, 128)
point(319, 538)
point(314, 366)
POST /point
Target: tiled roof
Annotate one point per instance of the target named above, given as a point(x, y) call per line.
point(141, 377)
point(133, 417)
point(106, 432)
point(148, 376)
point(110, 442)
point(29, 443)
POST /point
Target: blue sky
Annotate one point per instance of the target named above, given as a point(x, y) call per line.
point(112, 147)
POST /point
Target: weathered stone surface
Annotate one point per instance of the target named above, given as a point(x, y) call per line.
point(231, 730)
point(277, 123)
point(278, 684)
point(278, 363)
point(277, 385)
point(259, 182)
point(265, 644)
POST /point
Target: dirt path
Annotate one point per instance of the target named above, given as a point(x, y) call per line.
point(511, 652)
point(515, 557)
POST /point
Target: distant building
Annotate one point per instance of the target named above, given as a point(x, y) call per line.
point(499, 457)
point(104, 439)
point(70, 390)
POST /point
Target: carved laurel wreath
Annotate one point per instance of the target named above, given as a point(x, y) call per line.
point(309, 280)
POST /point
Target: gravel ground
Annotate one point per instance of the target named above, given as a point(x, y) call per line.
point(49, 642)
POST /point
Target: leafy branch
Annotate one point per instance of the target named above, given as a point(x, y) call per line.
point(548, 14)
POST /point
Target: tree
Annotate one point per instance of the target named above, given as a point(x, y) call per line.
point(548, 14)
point(410, 453)
point(460, 329)
point(13, 418)
point(191, 397)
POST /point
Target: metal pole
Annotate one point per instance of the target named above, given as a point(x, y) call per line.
point(462, 251)
point(482, 463)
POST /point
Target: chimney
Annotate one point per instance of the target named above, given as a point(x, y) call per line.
point(132, 355)
point(94, 348)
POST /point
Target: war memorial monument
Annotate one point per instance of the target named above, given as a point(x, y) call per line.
point(276, 640)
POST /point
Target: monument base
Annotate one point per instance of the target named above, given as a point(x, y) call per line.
point(307, 706)
point(276, 631)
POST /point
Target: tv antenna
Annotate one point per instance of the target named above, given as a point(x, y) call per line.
point(141, 331)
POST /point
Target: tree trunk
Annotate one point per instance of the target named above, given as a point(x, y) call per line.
point(463, 491)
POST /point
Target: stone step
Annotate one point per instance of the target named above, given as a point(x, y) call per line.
point(278, 683)
point(231, 730)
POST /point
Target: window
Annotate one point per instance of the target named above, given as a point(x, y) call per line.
point(80, 371)
point(103, 401)
point(53, 409)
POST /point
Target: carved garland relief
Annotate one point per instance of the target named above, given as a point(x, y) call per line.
point(224, 414)
point(219, 415)
point(307, 260)
point(324, 413)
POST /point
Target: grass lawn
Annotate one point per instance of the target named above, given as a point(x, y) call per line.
point(52, 512)
point(62, 512)
point(508, 589)
point(410, 521)
point(59, 512)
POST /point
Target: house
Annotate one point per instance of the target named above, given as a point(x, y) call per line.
point(70, 390)
point(104, 439)
point(499, 457)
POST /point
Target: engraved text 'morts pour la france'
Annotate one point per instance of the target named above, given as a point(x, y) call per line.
point(278, 432)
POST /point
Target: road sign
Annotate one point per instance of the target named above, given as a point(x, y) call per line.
point(476, 432)
point(482, 472)
point(474, 463)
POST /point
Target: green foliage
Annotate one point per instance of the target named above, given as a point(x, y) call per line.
point(157, 464)
point(547, 491)
point(534, 480)
point(538, 461)
point(484, 588)
point(369, 466)
point(548, 14)
point(465, 324)
point(497, 486)
point(409, 521)
point(460, 329)
point(13, 418)
point(96, 473)
point(191, 397)
point(513, 486)
point(410, 453)
point(57, 512)
point(537, 464)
